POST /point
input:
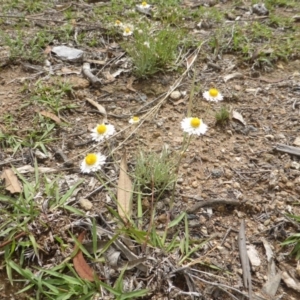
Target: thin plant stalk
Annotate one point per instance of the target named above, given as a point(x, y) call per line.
point(184, 146)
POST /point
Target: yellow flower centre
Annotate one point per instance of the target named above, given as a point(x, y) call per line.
point(127, 30)
point(195, 122)
point(213, 92)
point(135, 119)
point(101, 129)
point(118, 22)
point(144, 3)
point(91, 159)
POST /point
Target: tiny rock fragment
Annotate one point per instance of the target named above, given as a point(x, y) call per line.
point(274, 176)
point(67, 53)
point(175, 95)
point(295, 165)
point(297, 141)
point(85, 204)
point(260, 9)
point(194, 184)
point(253, 256)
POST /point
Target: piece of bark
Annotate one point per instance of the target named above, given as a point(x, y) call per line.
point(272, 284)
point(211, 203)
point(244, 259)
point(124, 193)
point(288, 149)
point(86, 70)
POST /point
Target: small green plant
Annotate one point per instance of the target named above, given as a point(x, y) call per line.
point(8, 140)
point(25, 47)
point(152, 52)
point(222, 116)
point(33, 6)
point(52, 95)
point(280, 3)
point(154, 170)
point(294, 240)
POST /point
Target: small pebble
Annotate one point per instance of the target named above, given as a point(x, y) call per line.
point(85, 204)
point(194, 184)
point(175, 95)
point(295, 165)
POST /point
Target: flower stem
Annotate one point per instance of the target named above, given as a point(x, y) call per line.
point(185, 146)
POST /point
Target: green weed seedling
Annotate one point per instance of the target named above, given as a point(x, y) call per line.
point(222, 116)
point(294, 240)
point(152, 52)
point(52, 96)
point(155, 170)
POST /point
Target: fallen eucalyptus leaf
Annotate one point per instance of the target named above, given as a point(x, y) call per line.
point(80, 265)
point(237, 116)
point(12, 183)
point(29, 169)
point(50, 116)
point(101, 108)
point(232, 76)
point(124, 191)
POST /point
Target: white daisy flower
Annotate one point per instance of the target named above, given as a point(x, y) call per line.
point(118, 23)
point(193, 126)
point(92, 162)
point(213, 95)
point(127, 30)
point(134, 120)
point(144, 5)
point(102, 131)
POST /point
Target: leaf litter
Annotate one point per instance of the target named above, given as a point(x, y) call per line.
point(232, 163)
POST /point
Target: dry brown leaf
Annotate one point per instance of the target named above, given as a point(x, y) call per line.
point(245, 259)
point(12, 183)
point(190, 60)
point(129, 84)
point(68, 71)
point(109, 76)
point(29, 169)
point(124, 191)
point(48, 49)
point(232, 76)
point(237, 116)
point(80, 265)
point(291, 282)
point(50, 116)
point(96, 62)
point(101, 108)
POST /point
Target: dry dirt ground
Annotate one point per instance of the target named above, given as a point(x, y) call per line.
point(236, 163)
